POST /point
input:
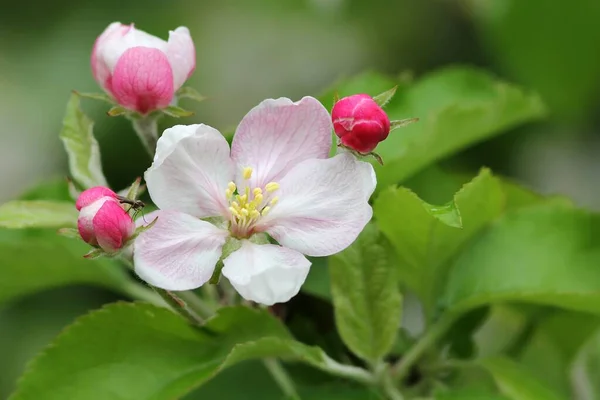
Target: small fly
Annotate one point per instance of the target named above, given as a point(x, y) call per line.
point(135, 205)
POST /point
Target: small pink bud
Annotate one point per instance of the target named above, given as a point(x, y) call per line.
point(140, 71)
point(102, 221)
point(360, 123)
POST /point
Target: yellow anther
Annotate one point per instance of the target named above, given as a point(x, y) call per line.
point(244, 212)
point(243, 199)
point(254, 214)
point(235, 205)
point(231, 187)
point(272, 186)
point(228, 194)
point(258, 198)
point(274, 200)
point(234, 212)
point(257, 191)
point(247, 173)
point(265, 211)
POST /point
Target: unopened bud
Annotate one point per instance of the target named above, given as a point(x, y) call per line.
point(360, 123)
point(102, 221)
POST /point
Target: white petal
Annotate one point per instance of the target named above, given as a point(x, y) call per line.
point(323, 205)
point(191, 170)
point(267, 273)
point(179, 252)
point(116, 45)
point(181, 54)
point(278, 134)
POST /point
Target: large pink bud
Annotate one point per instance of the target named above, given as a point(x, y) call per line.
point(360, 123)
point(140, 71)
point(102, 221)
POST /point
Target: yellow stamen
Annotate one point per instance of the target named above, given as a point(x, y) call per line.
point(247, 173)
point(257, 191)
point(234, 212)
point(265, 211)
point(274, 200)
point(228, 194)
point(242, 199)
point(254, 214)
point(272, 186)
point(231, 186)
point(258, 199)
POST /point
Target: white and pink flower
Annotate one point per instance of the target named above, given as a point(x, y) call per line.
point(140, 71)
point(277, 179)
point(102, 221)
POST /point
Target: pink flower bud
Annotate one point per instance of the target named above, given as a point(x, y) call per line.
point(102, 221)
point(360, 123)
point(140, 71)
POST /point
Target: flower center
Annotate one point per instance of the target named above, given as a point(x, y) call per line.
point(246, 208)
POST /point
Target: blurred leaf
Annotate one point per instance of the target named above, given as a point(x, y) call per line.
point(366, 297)
point(562, 64)
point(81, 146)
point(585, 373)
point(139, 351)
point(37, 214)
point(97, 96)
point(56, 189)
point(457, 107)
point(32, 263)
point(459, 338)
point(545, 254)
point(317, 281)
point(516, 382)
point(469, 394)
point(426, 237)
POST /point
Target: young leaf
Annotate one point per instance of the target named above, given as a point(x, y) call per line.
point(584, 372)
point(545, 254)
point(366, 297)
point(516, 382)
point(426, 237)
point(37, 214)
point(81, 146)
point(139, 351)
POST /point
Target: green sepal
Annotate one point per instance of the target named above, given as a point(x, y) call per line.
point(71, 233)
point(117, 111)
point(94, 253)
point(402, 123)
point(188, 92)
point(139, 230)
point(135, 189)
point(385, 97)
point(176, 112)
point(96, 96)
point(232, 244)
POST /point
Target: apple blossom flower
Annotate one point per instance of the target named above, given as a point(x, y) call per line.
point(277, 179)
point(140, 71)
point(360, 122)
point(102, 221)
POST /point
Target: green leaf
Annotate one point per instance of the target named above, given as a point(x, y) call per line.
point(37, 214)
point(516, 382)
point(457, 107)
point(586, 369)
point(426, 237)
point(81, 146)
point(188, 92)
point(469, 394)
point(35, 261)
point(366, 298)
point(139, 351)
point(176, 112)
point(317, 282)
point(545, 254)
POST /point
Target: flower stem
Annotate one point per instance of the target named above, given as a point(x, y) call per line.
point(402, 368)
point(196, 304)
point(282, 378)
point(179, 306)
point(146, 128)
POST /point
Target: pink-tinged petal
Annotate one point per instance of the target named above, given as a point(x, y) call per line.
point(143, 80)
point(278, 134)
point(100, 69)
point(323, 205)
point(181, 54)
point(179, 252)
point(90, 195)
point(266, 274)
point(113, 226)
point(190, 172)
point(86, 217)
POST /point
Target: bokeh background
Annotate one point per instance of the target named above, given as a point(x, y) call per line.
point(251, 50)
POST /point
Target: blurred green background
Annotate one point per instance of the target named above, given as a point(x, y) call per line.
point(251, 50)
